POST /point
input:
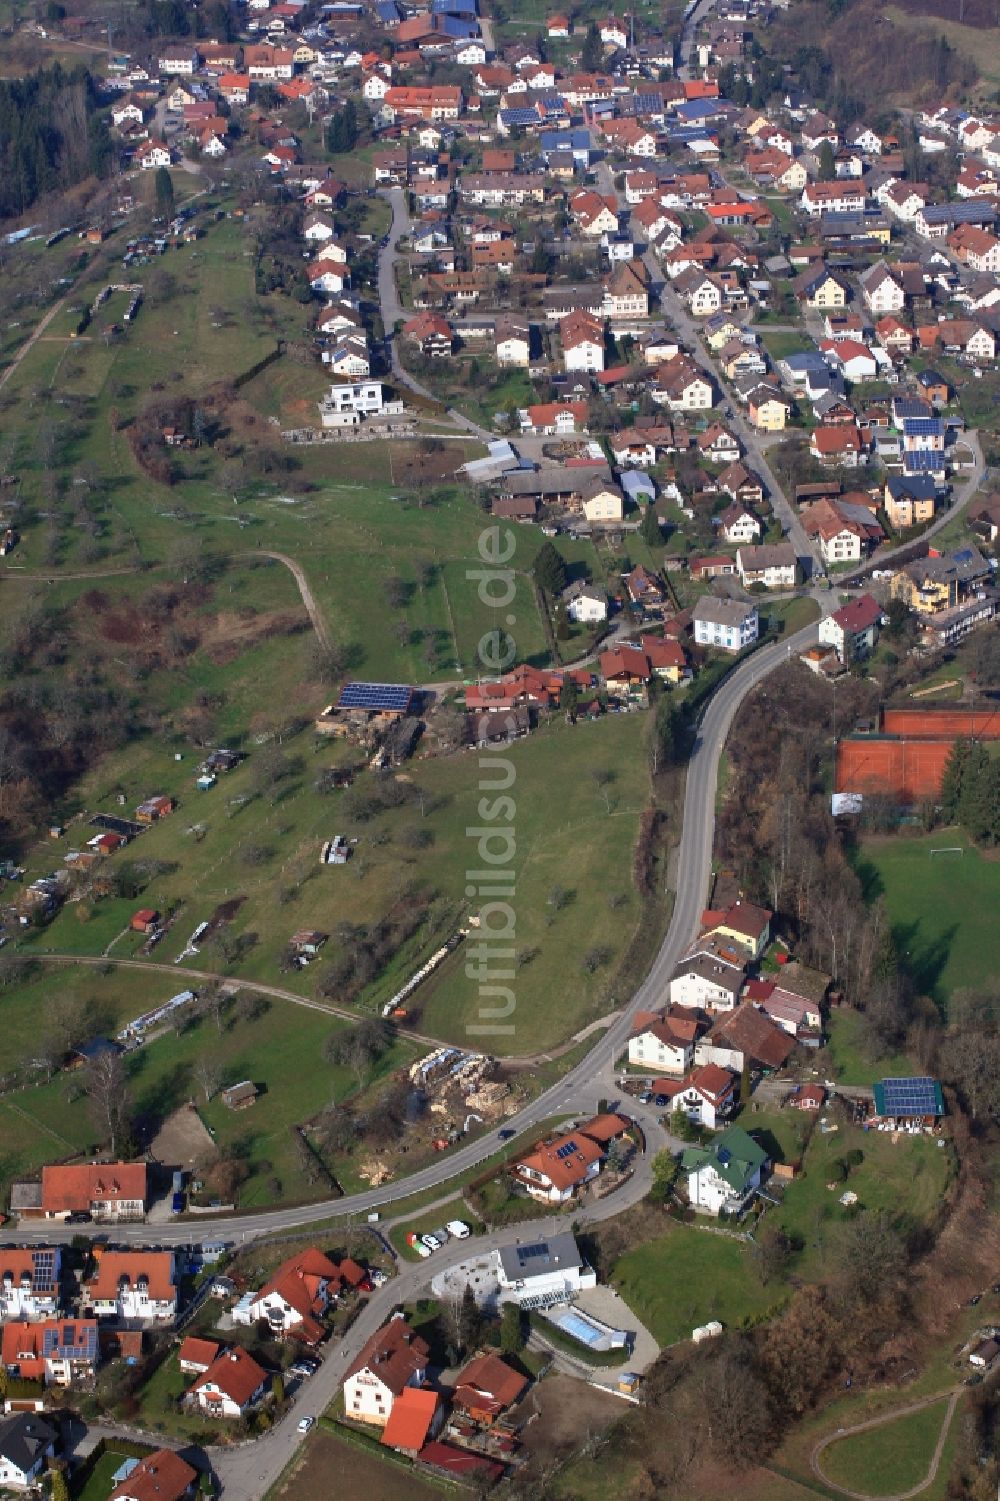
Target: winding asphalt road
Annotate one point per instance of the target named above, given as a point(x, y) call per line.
point(594, 1077)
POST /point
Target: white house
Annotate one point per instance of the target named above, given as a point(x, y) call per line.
point(349, 358)
point(586, 604)
point(538, 1273)
point(707, 980)
point(152, 154)
point(233, 1383)
point(345, 406)
point(179, 61)
point(706, 1096)
point(727, 624)
point(513, 343)
point(29, 1283)
point(723, 1177)
point(853, 629)
point(135, 1287)
point(301, 1290)
point(772, 564)
point(665, 1044)
point(393, 1359)
point(26, 1443)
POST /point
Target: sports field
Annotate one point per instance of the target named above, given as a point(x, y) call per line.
point(942, 906)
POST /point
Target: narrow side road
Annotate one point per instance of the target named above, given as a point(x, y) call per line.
point(880, 1422)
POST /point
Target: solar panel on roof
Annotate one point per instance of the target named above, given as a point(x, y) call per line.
point(567, 1149)
point(530, 1253)
point(913, 1097)
point(393, 696)
point(921, 426)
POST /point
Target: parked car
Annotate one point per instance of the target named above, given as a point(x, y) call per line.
point(459, 1229)
point(304, 1424)
point(79, 1217)
point(661, 1100)
point(440, 1234)
point(431, 1243)
point(506, 1134)
point(645, 1097)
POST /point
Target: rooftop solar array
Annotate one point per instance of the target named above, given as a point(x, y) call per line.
point(62, 1342)
point(568, 1149)
point(531, 1253)
point(909, 1097)
point(393, 697)
point(923, 461)
point(923, 426)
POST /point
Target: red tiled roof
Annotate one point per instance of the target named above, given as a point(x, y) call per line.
point(65, 1189)
point(155, 1266)
point(564, 1168)
point(236, 1374)
point(411, 1418)
point(394, 1352)
point(199, 1352)
point(454, 1461)
point(161, 1476)
point(298, 1281)
point(859, 614)
point(487, 1383)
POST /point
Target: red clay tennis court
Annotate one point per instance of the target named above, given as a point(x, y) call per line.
point(906, 759)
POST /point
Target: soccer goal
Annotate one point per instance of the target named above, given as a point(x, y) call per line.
point(953, 849)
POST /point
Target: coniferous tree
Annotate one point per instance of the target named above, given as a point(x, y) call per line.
point(549, 569)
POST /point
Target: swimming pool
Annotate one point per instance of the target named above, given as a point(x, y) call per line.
point(589, 1331)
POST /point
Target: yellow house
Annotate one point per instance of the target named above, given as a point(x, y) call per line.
point(721, 333)
point(743, 925)
point(904, 509)
point(827, 293)
point(769, 415)
point(794, 177)
point(303, 54)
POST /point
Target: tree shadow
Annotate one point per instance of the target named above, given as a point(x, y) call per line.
point(924, 959)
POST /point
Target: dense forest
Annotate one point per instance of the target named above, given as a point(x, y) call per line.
point(51, 136)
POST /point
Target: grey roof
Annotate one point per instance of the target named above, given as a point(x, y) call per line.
point(722, 611)
point(24, 1439)
point(767, 555)
point(961, 211)
point(714, 971)
point(540, 1258)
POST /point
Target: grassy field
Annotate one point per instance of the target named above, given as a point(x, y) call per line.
point(280, 1050)
point(851, 1059)
point(264, 855)
point(890, 1459)
point(941, 908)
point(780, 344)
point(687, 1277)
point(99, 1486)
point(906, 1178)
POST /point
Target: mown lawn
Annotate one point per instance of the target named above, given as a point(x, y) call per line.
point(99, 1486)
point(687, 1277)
point(942, 907)
point(907, 1179)
point(889, 1459)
